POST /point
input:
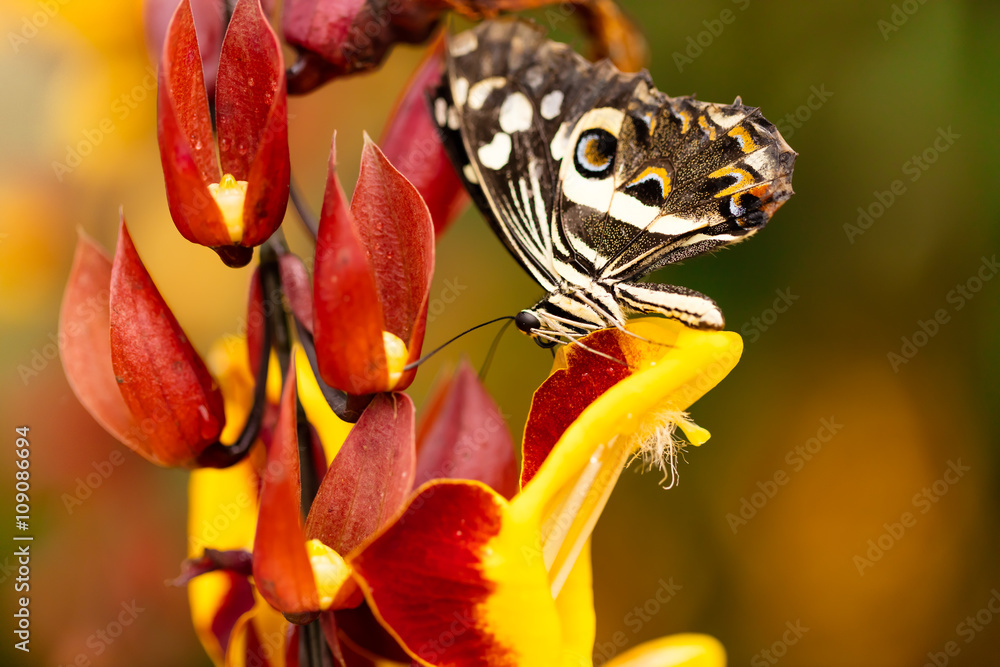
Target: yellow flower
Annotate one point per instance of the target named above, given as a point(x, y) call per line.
point(465, 576)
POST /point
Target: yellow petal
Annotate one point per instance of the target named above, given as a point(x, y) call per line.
point(222, 515)
point(396, 356)
point(503, 582)
point(520, 611)
point(230, 195)
point(332, 430)
point(206, 594)
point(271, 630)
point(672, 367)
point(230, 366)
point(460, 582)
point(684, 650)
point(222, 510)
point(329, 569)
point(575, 606)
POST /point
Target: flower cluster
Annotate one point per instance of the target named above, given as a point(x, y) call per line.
point(328, 524)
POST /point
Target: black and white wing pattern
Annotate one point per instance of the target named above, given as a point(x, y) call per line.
point(592, 178)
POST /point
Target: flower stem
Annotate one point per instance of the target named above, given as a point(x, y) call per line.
point(313, 651)
point(277, 318)
point(302, 208)
point(219, 455)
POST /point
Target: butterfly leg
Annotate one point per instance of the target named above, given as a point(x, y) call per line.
point(678, 303)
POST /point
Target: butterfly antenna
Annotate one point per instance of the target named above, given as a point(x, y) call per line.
point(493, 348)
point(412, 365)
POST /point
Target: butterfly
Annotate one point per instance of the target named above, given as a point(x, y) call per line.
point(592, 178)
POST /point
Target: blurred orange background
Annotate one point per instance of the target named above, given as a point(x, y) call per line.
point(792, 516)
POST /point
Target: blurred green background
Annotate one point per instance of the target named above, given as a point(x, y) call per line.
point(868, 93)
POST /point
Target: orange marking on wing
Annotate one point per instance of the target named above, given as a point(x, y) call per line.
point(708, 128)
point(685, 121)
point(659, 172)
point(594, 155)
point(743, 179)
point(747, 144)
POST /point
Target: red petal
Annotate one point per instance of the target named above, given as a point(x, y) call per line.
point(85, 345)
point(395, 228)
point(187, 147)
point(237, 561)
point(425, 573)
point(238, 600)
point(164, 382)
point(369, 479)
point(348, 317)
point(328, 623)
point(464, 436)
point(337, 35)
point(209, 20)
point(320, 26)
point(292, 644)
point(281, 567)
point(366, 639)
point(565, 394)
point(251, 108)
point(411, 142)
point(297, 288)
point(260, 652)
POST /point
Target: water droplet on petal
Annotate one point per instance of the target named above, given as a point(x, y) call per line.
point(224, 144)
point(241, 149)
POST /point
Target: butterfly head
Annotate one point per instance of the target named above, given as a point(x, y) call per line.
point(528, 323)
point(567, 314)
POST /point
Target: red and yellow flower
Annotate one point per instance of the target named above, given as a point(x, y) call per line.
point(459, 572)
point(462, 551)
point(385, 541)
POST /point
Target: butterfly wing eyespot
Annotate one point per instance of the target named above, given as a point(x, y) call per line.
point(594, 156)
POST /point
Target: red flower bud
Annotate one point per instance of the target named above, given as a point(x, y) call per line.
point(129, 362)
point(338, 37)
point(235, 201)
point(374, 263)
point(463, 435)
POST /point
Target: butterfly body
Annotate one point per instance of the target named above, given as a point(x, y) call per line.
point(592, 178)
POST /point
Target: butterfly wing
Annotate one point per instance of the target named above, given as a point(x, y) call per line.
point(657, 180)
point(507, 104)
point(594, 178)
